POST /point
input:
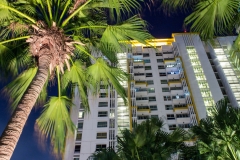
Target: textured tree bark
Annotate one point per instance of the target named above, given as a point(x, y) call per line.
point(13, 130)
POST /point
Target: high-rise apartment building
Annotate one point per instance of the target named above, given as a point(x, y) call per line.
point(178, 79)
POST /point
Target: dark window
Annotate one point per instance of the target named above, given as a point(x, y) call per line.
point(103, 86)
point(172, 126)
point(138, 74)
point(149, 82)
point(159, 60)
point(103, 104)
point(79, 136)
point(151, 90)
point(170, 116)
point(148, 74)
point(77, 148)
point(165, 89)
point(136, 67)
point(158, 54)
point(164, 82)
point(167, 98)
point(80, 125)
point(161, 67)
point(152, 99)
point(168, 107)
point(99, 147)
point(101, 124)
point(102, 135)
point(148, 68)
point(154, 108)
point(182, 115)
point(102, 114)
point(154, 116)
point(103, 95)
point(185, 125)
point(147, 60)
point(145, 54)
point(162, 74)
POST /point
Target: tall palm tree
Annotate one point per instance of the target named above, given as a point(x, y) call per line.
point(43, 40)
point(218, 136)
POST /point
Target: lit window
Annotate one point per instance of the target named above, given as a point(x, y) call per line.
point(81, 115)
point(102, 135)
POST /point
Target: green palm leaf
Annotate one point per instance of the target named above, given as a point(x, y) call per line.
point(78, 76)
point(55, 121)
point(101, 72)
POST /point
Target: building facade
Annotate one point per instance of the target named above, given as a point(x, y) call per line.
point(177, 79)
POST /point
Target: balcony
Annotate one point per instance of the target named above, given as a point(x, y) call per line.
point(179, 107)
point(138, 62)
point(138, 69)
point(139, 76)
point(176, 88)
point(174, 81)
point(141, 100)
point(169, 60)
point(143, 109)
point(179, 99)
point(141, 83)
point(141, 91)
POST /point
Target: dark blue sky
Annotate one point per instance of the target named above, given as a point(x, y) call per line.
point(28, 148)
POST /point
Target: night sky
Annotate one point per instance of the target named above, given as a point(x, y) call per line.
point(28, 148)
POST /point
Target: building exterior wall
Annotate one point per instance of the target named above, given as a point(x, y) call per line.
point(174, 79)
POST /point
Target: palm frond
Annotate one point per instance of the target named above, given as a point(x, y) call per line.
point(101, 73)
point(55, 122)
point(171, 6)
point(212, 17)
point(131, 29)
point(78, 77)
point(17, 88)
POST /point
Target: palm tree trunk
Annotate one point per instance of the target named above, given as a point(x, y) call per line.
point(13, 130)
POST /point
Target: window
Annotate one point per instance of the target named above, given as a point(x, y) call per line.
point(151, 90)
point(152, 99)
point(102, 135)
point(148, 67)
point(101, 124)
point(145, 54)
point(99, 147)
point(77, 148)
point(164, 81)
point(103, 104)
point(154, 116)
point(170, 116)
point(75, 158)
point(182, 115)
point(185, 125)
point(147, 60)
point(162, 74)
point(158, 54)
point(143, 117)
point(103, 95)
point(159, 60)
point(149, 82)
point(81, 115)
point(167, 98)
point(80, 125)
point(161, 67)
point(168, 107)
point(148, 74)
point(79, 136)
point(165, 90)
point(153, 108)
point(81, 106)
point(102, 114)
point(138, 74)
point(172, 126)
point(111, 123)
point(136, 67)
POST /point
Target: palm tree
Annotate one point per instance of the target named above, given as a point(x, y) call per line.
point(43, 40)
point(106, 154)
point(149, 142)
point(218, 136)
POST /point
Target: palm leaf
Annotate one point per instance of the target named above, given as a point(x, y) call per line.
point(212, 16)
point(101, 73)
point(55, 122)
point(17, 88)
point(77, 76)
point(131, 29)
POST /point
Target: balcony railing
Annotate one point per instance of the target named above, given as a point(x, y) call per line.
point(178, 97)
point(175, 88)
